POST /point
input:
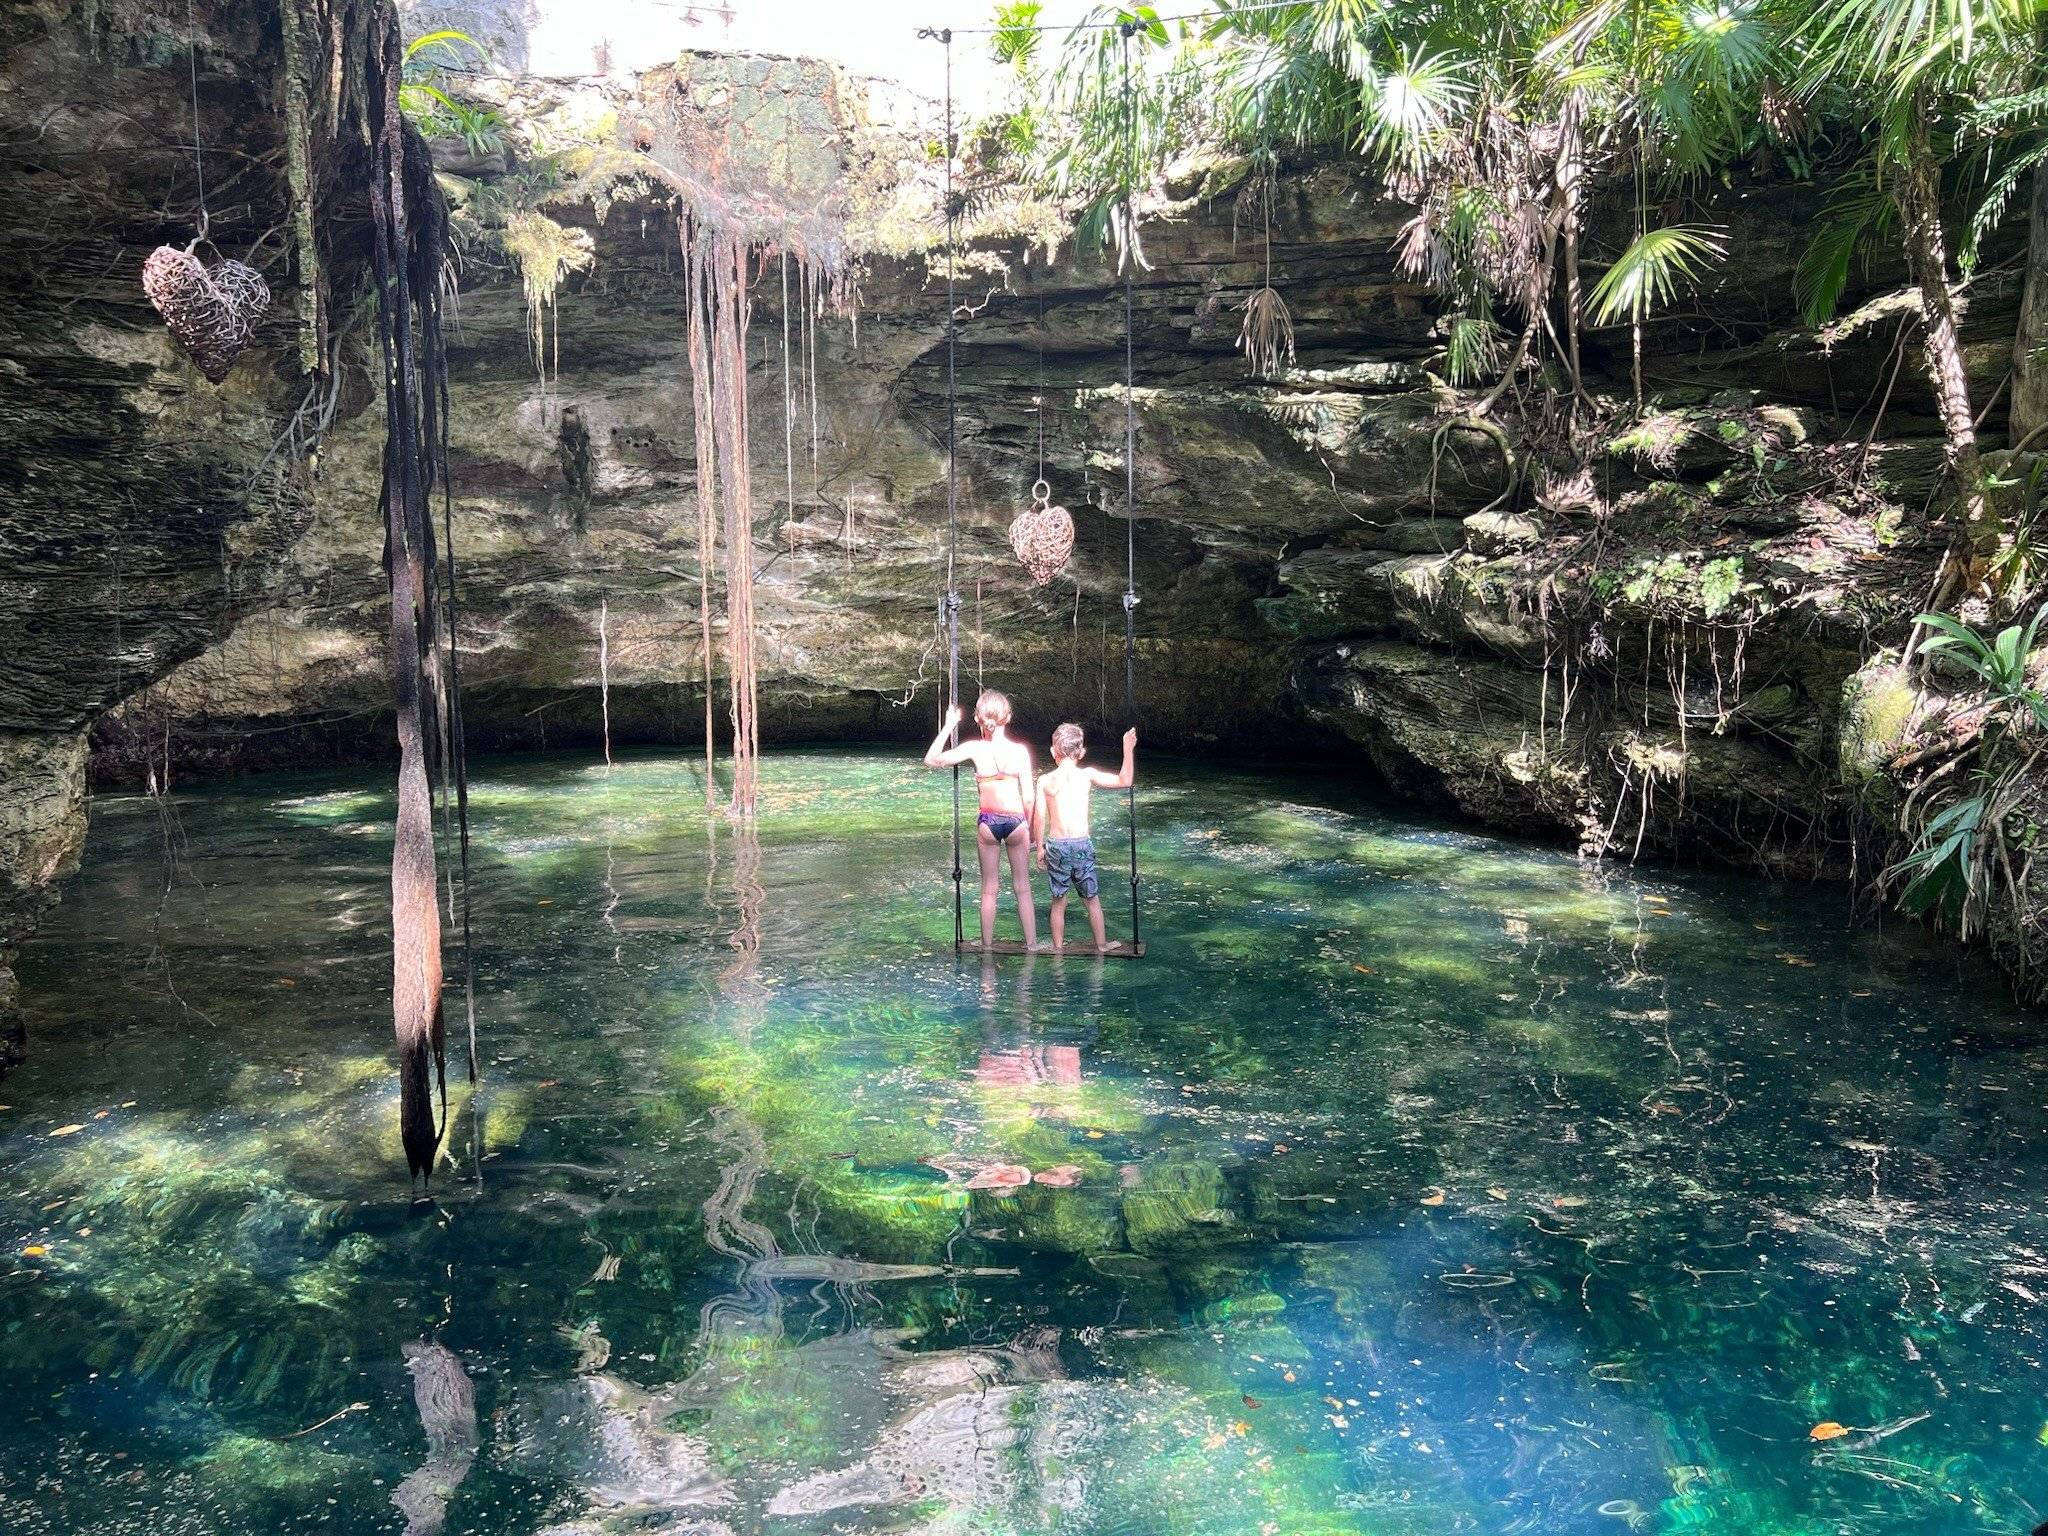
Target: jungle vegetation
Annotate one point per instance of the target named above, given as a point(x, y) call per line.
point(1505, 125)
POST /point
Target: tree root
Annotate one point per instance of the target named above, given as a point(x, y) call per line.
point(1492, 433)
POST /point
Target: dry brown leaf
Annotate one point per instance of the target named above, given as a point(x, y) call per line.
point(1827, 1430)
point(68, 1130)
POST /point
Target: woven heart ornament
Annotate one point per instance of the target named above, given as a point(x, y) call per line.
point(211, 310)
point(1042, 536)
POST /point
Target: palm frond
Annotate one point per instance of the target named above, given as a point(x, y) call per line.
point(1650, 272)
point(1857, 211)
point(1997, 197)
point(1411, 105)
point(1017, 36)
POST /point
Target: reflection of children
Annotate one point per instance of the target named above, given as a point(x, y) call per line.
point(1059, 826)
point(1002, 777)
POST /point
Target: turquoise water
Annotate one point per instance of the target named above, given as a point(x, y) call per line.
point(1418, 1183)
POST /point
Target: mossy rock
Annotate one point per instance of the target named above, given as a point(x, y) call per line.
point(1066, 1220)
point(1501, 533)
point(1876, 723)
point(1179, 1204)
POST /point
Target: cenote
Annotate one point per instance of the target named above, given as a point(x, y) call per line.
point(1420, 1182)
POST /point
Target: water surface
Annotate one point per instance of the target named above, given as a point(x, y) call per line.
point(1418, 1183)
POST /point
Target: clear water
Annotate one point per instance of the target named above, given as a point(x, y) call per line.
point(1424, 1183)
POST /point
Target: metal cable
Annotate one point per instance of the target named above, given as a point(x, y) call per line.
point(949, 605)
point(1130, 470)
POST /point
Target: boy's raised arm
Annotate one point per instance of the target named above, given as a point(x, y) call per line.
point(938, 754)
point(1126, 775)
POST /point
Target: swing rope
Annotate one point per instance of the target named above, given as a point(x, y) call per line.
point(949, 602)
point(1130, 471)
point(949, 605)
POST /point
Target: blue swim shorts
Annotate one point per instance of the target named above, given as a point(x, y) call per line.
point(1070, 863)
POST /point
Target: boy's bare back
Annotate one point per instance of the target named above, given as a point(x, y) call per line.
point(1066, 789)
point(1065, 792)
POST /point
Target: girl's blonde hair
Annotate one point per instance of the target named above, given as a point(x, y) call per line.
point(992, 709)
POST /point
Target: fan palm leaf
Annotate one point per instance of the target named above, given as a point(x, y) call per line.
point(1651, 271)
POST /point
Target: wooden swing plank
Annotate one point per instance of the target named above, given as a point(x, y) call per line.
point(1082, 951)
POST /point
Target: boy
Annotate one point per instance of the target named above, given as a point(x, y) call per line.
point(1059, 826)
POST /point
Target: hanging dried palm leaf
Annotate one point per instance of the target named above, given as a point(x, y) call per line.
point(1267, 337)
point(1043, 535)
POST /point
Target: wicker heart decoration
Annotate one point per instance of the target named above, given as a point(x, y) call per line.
point(211, 310)
point(1042, 536)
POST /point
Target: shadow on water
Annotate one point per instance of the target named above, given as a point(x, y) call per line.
point(1419, 1183)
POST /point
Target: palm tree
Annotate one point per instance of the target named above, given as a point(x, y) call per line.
point(1917, 66)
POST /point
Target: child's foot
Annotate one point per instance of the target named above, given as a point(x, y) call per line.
point(1111, 947)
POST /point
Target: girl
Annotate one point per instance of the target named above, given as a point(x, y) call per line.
point(1002, 778)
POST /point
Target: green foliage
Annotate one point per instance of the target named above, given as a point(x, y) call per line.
point(1998, 665)
point(1960, 850)
point(1651, 270)
point(424, 99)
point(1720, 581)
point(1858, 212)
point(1964, 76)
point(1017, 36)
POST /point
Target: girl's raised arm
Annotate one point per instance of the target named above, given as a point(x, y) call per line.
point(938, 754)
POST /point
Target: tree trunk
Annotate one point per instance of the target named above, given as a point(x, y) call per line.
point(2030, 346)
point(1571, 169)
point(1917, 188)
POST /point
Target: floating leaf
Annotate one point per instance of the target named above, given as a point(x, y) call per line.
point(34, 1251)
point(68, 1130)
point(1434, 1197)
point(1827, 1429)
point(1497, 1192)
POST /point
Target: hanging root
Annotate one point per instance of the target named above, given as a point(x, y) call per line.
point(1440, 439)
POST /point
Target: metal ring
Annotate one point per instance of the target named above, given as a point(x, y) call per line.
point(1040, 491)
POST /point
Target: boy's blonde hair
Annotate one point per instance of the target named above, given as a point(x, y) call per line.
point(992, 709)
point(1068, 743)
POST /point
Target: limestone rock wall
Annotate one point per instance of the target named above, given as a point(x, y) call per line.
point(1653, 655)
point(1320, 566)
point(142, 510)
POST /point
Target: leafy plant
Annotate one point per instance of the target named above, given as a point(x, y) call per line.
point(424, 99)
point(1720, 581)
point(1653, 268)
point(1999, 665)
point(1960, 851)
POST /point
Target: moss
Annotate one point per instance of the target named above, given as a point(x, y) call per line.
point(1656, 439)
point(1876, 719)
point(289, 1471)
